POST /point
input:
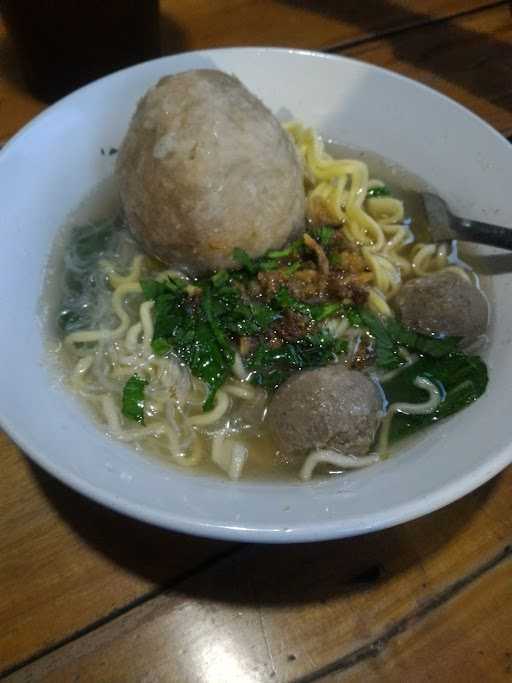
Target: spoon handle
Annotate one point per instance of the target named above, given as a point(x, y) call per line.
point(482, 233)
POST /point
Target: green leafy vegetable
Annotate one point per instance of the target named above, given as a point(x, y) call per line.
point(283, 300)
point(461, 378)
point(437, 347)
point(234, 314)
point(353, 314)
point(323, 311)
point(151, 289)
point(220, 278)
point(289, 270)
point(316, 311)
point(190, 336)
point(381, 191)
point(160, 346)
point(213, 310)
point(81, 276)
point(190, 333)
point(390, 334)
point(243, 258)
point(71, 320)
point(254, 266)
point(169, 315)
point(323, 235)
point(291, 251)
point(133, 399)
point(206, 357)
point(335, 258)
point(386, 349)
point(280, 253)
point(272, 260)
point(201, 331)
point(88, 241)
point(271, 366)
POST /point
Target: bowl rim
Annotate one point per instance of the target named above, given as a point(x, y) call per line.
point(313, 531)
point(315, 54)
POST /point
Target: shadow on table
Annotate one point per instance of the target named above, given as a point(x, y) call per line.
point(155, 554)
point(263, 574)
point(316, 573)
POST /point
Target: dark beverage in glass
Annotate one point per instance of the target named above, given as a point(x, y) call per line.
point(64, 44)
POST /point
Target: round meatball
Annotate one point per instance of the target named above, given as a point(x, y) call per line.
point(205, 167)
point(331, 407)
point(443, 303)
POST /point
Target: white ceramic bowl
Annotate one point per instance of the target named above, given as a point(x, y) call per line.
point(55, 161)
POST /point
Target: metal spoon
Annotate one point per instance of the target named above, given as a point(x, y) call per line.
point(443, 225)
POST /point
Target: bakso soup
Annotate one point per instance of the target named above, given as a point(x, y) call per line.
point(260, 305)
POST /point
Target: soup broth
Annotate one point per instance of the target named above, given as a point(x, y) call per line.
point(105, 325)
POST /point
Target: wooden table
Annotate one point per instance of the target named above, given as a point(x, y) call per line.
point(87, 595)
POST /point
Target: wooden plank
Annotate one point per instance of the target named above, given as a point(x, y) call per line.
point(467, 639)
point(281, 613)
point(66, 562)
point(290, 23)
point(468, 59)
point(202, 24)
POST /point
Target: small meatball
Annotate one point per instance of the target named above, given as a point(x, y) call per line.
point(205, 167)
point(331, 407)
point(444, 303)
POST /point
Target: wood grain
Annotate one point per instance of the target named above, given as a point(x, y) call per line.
point(296, 612)
point(317, 24)
point(66, 562)
point(468, 58)
point(468, 638)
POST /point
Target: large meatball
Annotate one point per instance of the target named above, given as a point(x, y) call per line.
point(331, 407)
point(443, 303)
point(206, 167)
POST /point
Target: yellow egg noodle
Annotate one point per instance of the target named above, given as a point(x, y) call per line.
point(173, 405)
point(337, 195)
point(105, 358)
